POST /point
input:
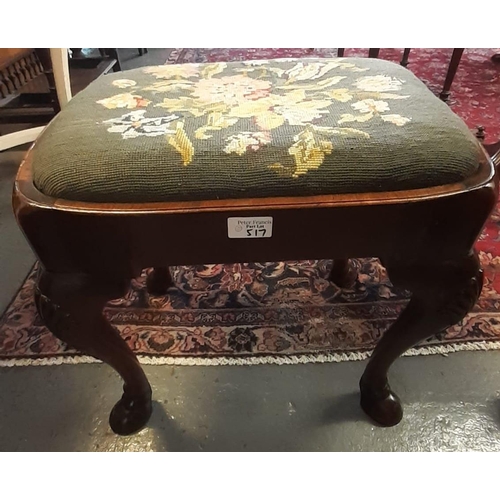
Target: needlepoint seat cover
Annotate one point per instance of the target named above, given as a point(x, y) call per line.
point(284, 127)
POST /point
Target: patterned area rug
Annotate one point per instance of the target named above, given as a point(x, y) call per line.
point(270, 312)
point(283, 312)
point(475, 93)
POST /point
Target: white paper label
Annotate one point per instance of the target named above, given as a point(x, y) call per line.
point(250, 227)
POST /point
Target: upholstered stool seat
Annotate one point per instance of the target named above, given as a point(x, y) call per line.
point(252, 129)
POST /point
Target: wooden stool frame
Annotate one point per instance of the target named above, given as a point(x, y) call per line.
point(89, 252)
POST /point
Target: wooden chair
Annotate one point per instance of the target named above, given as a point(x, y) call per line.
point(456, 57)
point(54, 64)
point(99, 210)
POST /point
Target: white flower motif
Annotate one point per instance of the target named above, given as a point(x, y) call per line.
point(300, 115)
point(370, 106)
point(378, 83)
point(134, 124)
point(396, 119)
point(259, 62)
point(244, 141)
point(124, 83)
point(311, 71)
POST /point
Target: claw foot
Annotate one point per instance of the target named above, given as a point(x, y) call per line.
point(381, 405)
point(130, 414)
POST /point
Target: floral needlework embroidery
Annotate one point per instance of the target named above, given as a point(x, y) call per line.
point(123, 84)
point(370, 108)
point(245, 141)
point(250, 107)
point(124, 101)
point(134, 124)
point(180, 141)
point(378, 83)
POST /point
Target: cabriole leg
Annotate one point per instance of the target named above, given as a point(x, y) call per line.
point(71, 306)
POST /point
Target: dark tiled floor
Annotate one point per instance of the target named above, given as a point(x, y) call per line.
point(451, 403)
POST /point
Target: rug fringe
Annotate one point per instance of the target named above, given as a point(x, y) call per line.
point(444, 350)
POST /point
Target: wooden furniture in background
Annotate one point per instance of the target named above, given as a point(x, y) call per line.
point(404, 59)
point(450, 75)
point(35, 100)
point(371, 52)
point(112, 53)
point(17, 68)
point(54, 64)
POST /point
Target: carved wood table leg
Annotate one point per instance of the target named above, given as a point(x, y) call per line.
point(450, 75)
point(404, 59)
point(71, 306)
point(159, 281)
point(442, 295)
point(343, 273)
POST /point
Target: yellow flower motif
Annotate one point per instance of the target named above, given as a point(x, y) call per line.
point(180, 141)
point(348, 117)
point(308, 151)
point(216, 121)
point(124, 83)
point(370, 106)
point(281, 170)
point(269, 120)
point(378, 83)
point(128, 101)
point(173, 71)
point(339, 131)
point(396, 119)
point(246, 141)
point(213, 69)
point(328, 82)
point(170, 85)
point(250, 109)
point(341, 95)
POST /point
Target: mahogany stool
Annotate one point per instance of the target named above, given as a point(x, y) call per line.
point(254, 161)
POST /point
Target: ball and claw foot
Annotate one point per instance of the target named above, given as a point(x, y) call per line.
point(130, 414)
point(381, 405)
